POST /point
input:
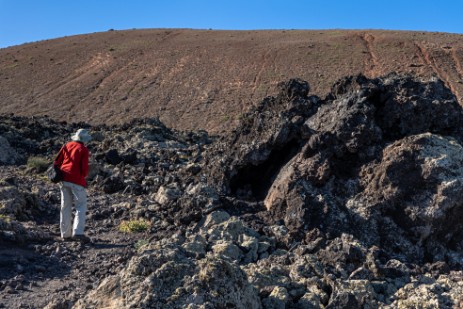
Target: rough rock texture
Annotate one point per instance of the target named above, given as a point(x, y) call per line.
point(268, 135)
point(164, 275)
point(380, 158)
point(8, 155)
point(350, 201)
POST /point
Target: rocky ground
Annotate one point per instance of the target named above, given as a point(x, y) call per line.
point(347, 201)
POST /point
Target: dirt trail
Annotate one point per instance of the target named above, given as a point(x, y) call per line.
point(459, 68)
point(372, 66)
point(426, 54)
point(39, 274)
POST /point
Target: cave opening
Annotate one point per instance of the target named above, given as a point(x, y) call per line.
point(258, 178)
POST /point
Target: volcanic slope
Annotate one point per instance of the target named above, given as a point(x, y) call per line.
point(204, 79)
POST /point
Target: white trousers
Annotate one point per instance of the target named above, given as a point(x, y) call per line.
point(72, 195)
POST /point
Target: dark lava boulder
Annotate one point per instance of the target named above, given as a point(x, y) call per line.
point(268, 137)
point(377, 158)
point(8, 156)
point(412, 198)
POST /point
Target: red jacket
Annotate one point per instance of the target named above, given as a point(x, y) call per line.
point(73, 161)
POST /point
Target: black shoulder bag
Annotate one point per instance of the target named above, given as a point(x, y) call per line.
point(54, 173)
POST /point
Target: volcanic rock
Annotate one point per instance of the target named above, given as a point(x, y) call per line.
point(8, 156)
point(347, 201)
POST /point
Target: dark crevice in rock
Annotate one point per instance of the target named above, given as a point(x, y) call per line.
point(346, 167)
point(258, 178)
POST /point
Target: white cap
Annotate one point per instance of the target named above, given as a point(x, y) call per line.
point(81, 136)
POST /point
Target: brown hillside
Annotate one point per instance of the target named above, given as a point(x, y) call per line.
point(204, 79)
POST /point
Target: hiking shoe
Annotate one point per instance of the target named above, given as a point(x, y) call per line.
point(66, 239)
point(82, 238)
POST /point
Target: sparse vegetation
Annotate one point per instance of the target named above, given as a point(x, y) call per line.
point(140, 243)
point(134, 226)
point(5, 218)
point(38, 164)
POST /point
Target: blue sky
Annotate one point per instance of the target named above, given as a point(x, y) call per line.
point(34, 20)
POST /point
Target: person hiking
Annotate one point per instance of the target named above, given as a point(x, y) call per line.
point(72, 160)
